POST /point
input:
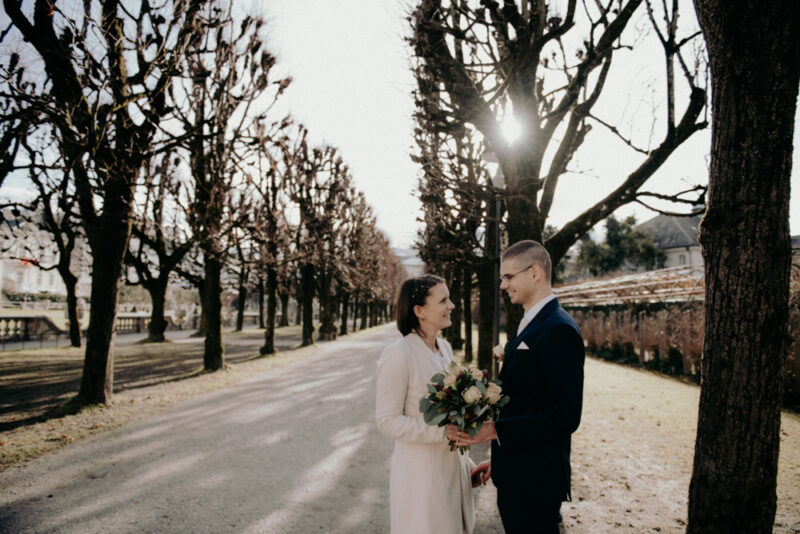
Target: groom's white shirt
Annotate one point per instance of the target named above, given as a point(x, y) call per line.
point(530, 314)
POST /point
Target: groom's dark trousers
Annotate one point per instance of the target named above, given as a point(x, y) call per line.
point(543, 376)
point(521, 516)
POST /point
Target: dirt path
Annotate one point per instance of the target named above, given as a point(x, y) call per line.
point(295, 450)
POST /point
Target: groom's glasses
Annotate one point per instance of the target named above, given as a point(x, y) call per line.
point(509, 277)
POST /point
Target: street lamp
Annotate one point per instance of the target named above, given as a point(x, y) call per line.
point(498, 183)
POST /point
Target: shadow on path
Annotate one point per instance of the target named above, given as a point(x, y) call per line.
point(34, 382)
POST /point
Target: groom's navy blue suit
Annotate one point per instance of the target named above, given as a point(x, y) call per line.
point(543, 375)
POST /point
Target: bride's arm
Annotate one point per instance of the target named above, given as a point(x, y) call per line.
point(390, 401)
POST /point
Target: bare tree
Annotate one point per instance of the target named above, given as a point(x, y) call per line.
point(228, 89)
point(161, 236)
point(107, 68)
point(549, 67)
point(460, 214)
point(17, 116)
point(358, 235)
point(747, 253)
point(317, 186)
point(271, 229)
point(47, 230)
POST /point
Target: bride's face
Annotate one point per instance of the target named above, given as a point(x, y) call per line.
point(435, 314)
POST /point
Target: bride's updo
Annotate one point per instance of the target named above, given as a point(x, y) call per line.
point(413, 292)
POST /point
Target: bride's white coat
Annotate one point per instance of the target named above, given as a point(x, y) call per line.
point(430, 489)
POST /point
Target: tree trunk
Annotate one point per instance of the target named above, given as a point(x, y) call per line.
point(467, 306)
point(355, 313)
point(269, 331)
point(108, 253)
point(70, 282)
point(487, 285)
point(298, 312)
point(201, 323)
point(747, 253)
point(260, 302)
point(345, 309)
point(453, 333)
point(363, 316)
point(327, 328)
point(241, 303)
point(284, 309)
point(213, 356)
point(307, 276)
point(158, 297)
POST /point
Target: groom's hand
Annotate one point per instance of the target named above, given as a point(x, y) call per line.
point(480, 473)
point(486, 433)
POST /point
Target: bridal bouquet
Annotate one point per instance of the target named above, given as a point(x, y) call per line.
point(463, 396)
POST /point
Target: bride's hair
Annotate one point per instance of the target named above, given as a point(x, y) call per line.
point(413, 292)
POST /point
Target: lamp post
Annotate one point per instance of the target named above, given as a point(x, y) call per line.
point(498, 183)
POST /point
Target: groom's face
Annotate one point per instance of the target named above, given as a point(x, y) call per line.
point(517, 279)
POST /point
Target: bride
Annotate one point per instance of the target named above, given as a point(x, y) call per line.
point(430, 489)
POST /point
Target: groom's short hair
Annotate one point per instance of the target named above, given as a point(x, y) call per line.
point(530, 252)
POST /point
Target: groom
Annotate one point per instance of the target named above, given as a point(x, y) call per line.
point(543, 375)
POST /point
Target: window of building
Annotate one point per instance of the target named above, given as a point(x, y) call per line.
point(682, 259)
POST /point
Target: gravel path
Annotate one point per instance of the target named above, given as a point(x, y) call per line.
point(295, 450)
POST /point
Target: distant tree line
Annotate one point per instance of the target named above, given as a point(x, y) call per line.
point(149, 132)
point(624, 246)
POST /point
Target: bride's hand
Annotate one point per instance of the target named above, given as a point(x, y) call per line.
point(453, 434)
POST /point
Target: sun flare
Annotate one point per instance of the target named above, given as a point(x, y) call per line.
point(511, 128)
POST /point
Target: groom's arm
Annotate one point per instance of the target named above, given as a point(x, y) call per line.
point(562, 363)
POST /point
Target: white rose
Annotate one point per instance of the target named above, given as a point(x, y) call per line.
point(498, 351)
point(449, 381)
point(476, 373)
point(472, 395)
point(493, 392)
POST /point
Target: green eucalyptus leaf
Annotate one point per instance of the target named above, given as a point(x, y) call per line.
point(424, 404)
point(437, 419)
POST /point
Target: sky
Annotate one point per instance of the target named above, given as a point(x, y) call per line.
point(353, 88)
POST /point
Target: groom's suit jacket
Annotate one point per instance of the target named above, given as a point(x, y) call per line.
point(543, 375)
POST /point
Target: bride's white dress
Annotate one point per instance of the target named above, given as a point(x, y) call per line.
point(430, 489)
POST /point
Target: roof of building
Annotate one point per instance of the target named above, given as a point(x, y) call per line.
point(671, 232)
point(410, 260)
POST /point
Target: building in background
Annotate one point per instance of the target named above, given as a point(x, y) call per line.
point(410, 260)
point(24, 247)
point(677, 238)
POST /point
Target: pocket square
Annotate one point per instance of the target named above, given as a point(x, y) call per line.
point(523, 346)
